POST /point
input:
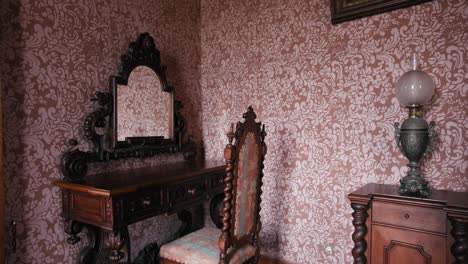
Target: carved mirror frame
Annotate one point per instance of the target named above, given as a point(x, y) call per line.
point(141, 53)
point(99, 126)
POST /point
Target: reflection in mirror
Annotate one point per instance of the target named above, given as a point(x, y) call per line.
point(143, 108)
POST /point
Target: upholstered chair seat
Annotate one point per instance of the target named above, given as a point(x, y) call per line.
point(201, 247)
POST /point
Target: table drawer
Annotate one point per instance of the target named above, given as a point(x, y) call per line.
point(145, 203)
point(404, 215)
point(217, 180)
point(188, 191)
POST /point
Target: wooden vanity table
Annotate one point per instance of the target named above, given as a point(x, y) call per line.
point(137, 117)
point(107, 203)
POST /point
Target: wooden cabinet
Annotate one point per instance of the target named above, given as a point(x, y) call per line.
point(394, 229)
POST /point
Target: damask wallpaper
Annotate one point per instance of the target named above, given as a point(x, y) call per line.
point(54, 55)
point(325, 93)
point(327, 97)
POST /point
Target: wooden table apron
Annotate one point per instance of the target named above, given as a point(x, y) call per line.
point(106, 204)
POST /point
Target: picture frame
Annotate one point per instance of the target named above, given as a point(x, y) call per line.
point(346, 10)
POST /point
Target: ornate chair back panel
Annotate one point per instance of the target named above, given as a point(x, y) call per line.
point(242, 192)
point(246, 176)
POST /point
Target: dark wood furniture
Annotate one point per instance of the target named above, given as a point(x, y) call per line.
point(237, 242)
point(101, 126)
point(345, 10)
point(106, 204)
point(390, 228)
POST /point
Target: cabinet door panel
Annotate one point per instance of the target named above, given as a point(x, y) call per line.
point(391, 245)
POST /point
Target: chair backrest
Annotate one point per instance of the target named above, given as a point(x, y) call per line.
point(243, 181)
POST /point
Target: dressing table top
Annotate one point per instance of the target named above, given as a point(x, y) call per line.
point(126, 181)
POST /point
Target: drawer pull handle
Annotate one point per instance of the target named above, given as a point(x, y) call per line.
point(146, 202)
point(407, 216)
point(191, 191)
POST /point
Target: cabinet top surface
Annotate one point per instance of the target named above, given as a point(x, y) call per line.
point(125, 181)
point(448, 198)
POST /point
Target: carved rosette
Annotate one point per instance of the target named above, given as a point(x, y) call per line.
point(97, 119)
point(74, 165)
point(115, 243)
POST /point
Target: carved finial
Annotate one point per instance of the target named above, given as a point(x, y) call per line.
point(147, 42)
point(141, 52)
point(250, 114)
point(231, 134)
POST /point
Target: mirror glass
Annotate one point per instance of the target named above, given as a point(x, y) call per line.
point(143, 108)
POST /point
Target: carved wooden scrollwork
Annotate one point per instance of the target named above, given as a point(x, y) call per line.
point(97, 119)
point(142, 52)
point(74, 165)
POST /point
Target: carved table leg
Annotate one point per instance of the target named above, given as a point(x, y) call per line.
point(73, 228)
point(149, 255)
point(186, 218)
point(89, 254)
point(192, 220)
point(360, 230)
point(117, 247)
point(460, 233)
point(96, 251)
point(216, 210)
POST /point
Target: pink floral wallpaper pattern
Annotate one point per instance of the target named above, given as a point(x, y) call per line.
point(53, 56)
point(326, 95)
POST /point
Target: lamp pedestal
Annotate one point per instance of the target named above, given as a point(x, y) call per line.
point(413, 138)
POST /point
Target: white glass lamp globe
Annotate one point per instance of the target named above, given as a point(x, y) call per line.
point(415, 88)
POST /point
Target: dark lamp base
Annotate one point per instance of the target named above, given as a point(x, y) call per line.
point(413, 185)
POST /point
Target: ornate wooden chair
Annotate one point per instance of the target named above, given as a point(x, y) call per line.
point(237, 242)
